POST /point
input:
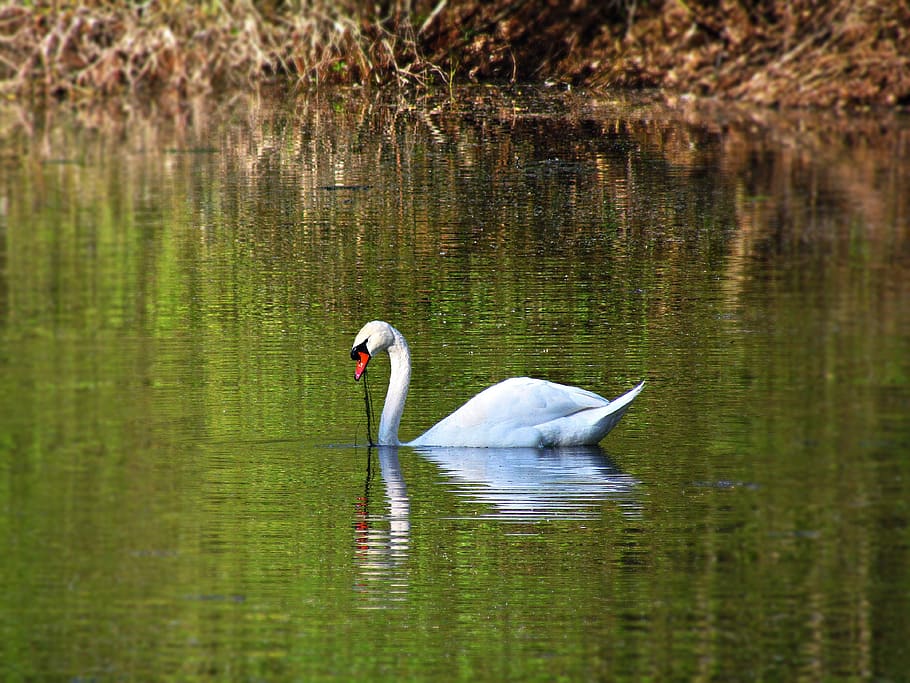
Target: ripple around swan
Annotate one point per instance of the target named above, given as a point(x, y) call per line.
point(533, 485)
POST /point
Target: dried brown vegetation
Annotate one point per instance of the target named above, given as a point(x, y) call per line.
point(775, 52)
point(804, 52)
point(171, 47)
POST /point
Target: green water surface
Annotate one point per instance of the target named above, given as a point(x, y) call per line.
point(185, 491)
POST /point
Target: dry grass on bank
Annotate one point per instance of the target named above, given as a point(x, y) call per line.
point(70, 50)
point(840, 53)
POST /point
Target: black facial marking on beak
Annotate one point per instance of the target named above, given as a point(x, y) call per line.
point(360, 348)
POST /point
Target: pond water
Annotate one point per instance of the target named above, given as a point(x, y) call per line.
point(185, 489)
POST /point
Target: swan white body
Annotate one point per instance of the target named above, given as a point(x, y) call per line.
point(517, 412)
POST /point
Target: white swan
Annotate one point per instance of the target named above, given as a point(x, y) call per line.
point(517, 412)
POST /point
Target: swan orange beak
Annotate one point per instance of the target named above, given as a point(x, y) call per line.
point(362, 360)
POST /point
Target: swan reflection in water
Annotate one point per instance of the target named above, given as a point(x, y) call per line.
point(382, 540)
point(524, 485)
point(534, 484)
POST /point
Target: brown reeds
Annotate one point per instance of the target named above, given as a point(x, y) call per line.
point(105, 48)
point(773, 52)
point(67, 50)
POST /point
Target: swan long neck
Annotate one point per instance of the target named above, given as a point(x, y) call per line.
point(399, 381)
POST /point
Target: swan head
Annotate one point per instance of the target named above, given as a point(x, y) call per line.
point(374, 337)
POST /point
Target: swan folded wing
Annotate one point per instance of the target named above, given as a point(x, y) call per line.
point(523, 401)
point(511, 413)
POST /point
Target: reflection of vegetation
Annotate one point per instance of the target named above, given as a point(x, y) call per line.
point(199, 304)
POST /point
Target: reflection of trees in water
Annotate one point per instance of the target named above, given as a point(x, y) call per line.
point(751, 265)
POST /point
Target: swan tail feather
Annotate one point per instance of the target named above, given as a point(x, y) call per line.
point(588, 428)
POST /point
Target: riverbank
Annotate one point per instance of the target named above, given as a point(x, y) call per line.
point(775, 53)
